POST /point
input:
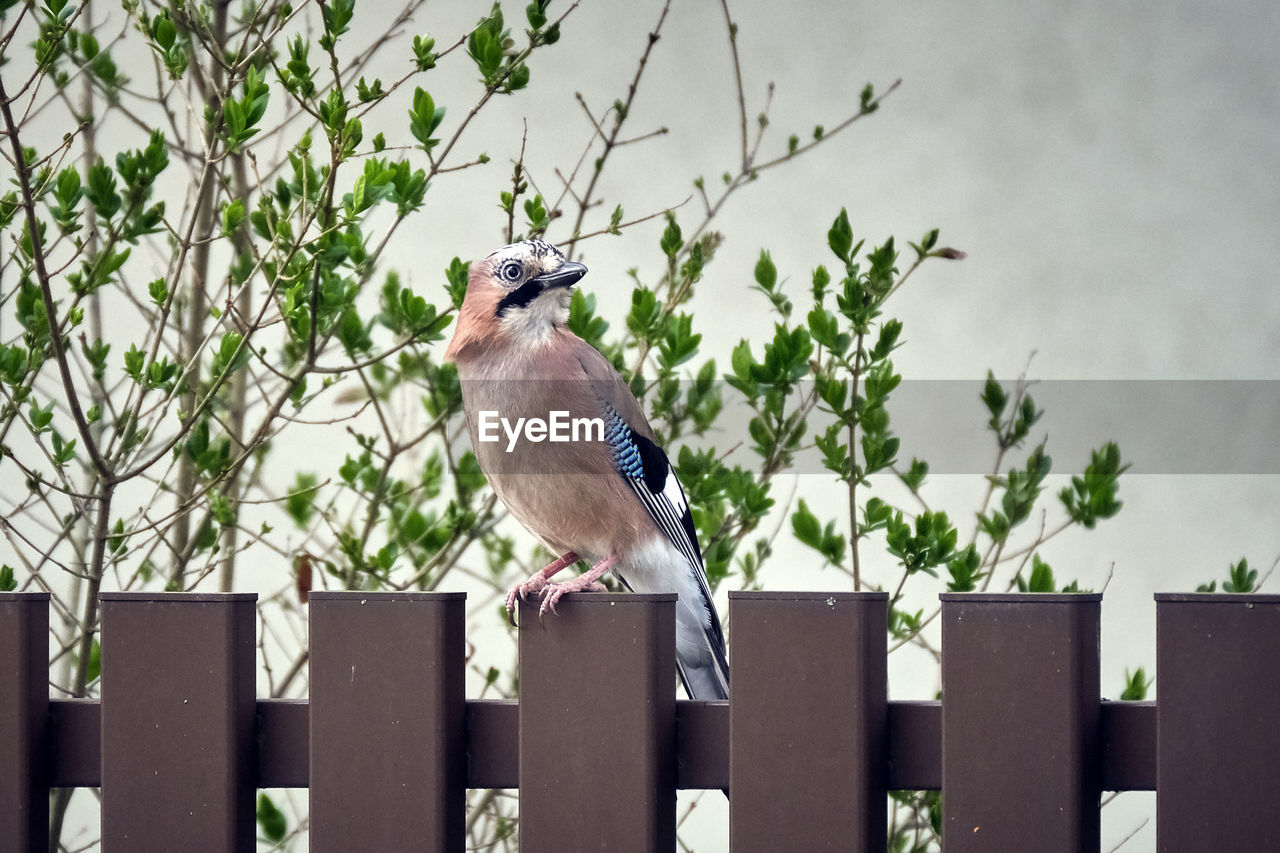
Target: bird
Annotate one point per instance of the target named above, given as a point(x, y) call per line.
point(607, 493)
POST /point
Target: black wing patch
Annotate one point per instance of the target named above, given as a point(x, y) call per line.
point(647, 470)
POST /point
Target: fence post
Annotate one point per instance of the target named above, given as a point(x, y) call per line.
point(178, 721)
point(808, 764)
point(1218, 703)
point(597, 724)
point(24, 704)
point(388, 713)
point(1020, 722)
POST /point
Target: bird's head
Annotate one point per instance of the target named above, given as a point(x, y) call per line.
point(517, 295)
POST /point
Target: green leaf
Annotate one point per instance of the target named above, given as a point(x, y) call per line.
point(101, 190)
point(300, 503)
point(8, 208)
point(880, 277)
point(63, 451)
point(337, 18)
point(133, 360)
point(163, 30)
point(96, 355)
point(1136, 685)
point(7, 581)
point(456, 281)
point(159, 292)
point(583, 321)
point(13, 362)
point(672, 239)
point(914, 478)
point(1243, 579)
point(865, 99)
point(94, 669)
point(995, 399)
point(231, 355)
point(766, 273)
point(835, 453)
point(1092, 497)
point(1041, 579)
point(538, 219)
point(367, 93)
point(469, 477)
point(297, 75)
point(931, 544)
point(222, 510)
point(645, 312)
point(40, 418)
point(536, 12)
point(423, 55)
point(485, 46)
point(353, 333)
point(207, 536)
point(887, 342)
point(424, 118)
point(679, 343)
point(840, 237)
point(805, 526)
point(232, 216)
point(271, 820)
point(241, 115)
point(965, 570)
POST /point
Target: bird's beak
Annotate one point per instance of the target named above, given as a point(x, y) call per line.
point(566, 276)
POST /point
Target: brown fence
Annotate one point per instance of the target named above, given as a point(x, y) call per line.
point(387, 743)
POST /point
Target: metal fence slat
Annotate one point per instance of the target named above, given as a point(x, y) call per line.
point(1218, 703)
point(597, 724)
point(1020, 722)
point(915, 746)
point(493, 743)
point(388, 709)
point(702, 745)
point(178, 721)
point(808, 721)
point(24, 703)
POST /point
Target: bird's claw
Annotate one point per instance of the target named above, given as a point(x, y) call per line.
point(532, 586)
point(551, 593)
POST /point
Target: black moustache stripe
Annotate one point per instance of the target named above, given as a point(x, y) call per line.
point(521, 296)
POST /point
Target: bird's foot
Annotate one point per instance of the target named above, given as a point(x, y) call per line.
point(553, 592)
point(588, 581)
point(536, 584)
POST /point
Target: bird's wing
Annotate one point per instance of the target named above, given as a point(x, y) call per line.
point(645, 467)
point(647, 470)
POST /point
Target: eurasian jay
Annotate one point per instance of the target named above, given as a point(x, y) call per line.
point(606, 493)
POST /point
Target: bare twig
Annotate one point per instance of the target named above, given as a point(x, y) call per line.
point(619, 118)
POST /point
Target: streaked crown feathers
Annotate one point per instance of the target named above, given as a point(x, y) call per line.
point(514, 264)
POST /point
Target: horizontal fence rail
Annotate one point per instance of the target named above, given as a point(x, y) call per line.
point(1021, 746)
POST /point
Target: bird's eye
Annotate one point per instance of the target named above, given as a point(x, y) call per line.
point(511, 271)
